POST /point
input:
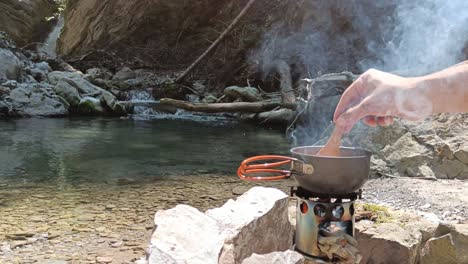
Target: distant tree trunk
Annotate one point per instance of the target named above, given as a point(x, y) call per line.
point(182, 77)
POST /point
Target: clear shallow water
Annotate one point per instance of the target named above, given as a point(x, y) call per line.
point(106, 150)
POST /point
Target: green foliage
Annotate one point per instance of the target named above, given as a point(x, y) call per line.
point(381, 212)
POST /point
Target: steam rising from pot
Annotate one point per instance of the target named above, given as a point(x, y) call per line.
point(409, 38)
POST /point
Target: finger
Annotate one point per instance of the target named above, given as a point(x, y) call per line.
point(370, 121)
point(352, 115)
point(349, 98)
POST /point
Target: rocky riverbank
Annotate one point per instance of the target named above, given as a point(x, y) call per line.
point(77, 223)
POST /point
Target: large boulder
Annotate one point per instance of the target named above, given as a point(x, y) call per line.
point(68, 92)
point(186, 235)
point(36, 100)
point(253, 223)
point(87, 89)
point(229, 234)
point(10, 65)
point(27, 21)
point(388, 243)
point(439, 250)
point(76, 80)
point(459, 236)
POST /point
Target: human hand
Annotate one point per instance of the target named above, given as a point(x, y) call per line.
point(377, 97)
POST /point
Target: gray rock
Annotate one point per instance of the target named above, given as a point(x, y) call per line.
point(98, 73)
point(253, 223)
point(68, 92)
point(111, 101)
point(249, 94)
point(210, 99)
point(10, 84)
point(159, 257)
point(199, 87)
point(39, 71)
point(287, 257)
point(124, 74)
point(462, 153)
point(229, 234)
point(439, 250)
point(405, 153)
point(193, 98)
point(451, 168)
point(459, 234)
point(90, 105)
point(37, 100)
point(388, 243)
point(76, 80)
point(186, 235)
point(10, 66)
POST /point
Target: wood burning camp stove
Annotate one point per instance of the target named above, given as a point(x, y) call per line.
point(326, 190)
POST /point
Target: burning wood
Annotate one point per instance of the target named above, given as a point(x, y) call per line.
point(340, 246)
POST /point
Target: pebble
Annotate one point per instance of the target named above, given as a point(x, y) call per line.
point(104, 259)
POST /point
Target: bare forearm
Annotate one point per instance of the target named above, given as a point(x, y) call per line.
point(447, 89)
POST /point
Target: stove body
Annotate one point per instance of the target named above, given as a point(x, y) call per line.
point(321, 215)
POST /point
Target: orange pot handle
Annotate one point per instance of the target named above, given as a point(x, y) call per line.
point(278, 174)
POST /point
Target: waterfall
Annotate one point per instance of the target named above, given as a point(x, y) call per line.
point(50, 44)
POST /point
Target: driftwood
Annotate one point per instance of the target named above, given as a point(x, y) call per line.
point(237, 107)
point(182, 77)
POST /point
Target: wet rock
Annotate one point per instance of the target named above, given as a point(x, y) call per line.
point(124, 74)
point(287, 257)
point(39, 71)
point(249, 94)
point(68, 92)
point(388, 243)
point(209, 99)
point(90, 105)
point(37, 100)
point(253, 223)
point(193, 98)
point(439, 250)
point(111, 101)
point(10, 84)
point(76, 80)
point(10, 66)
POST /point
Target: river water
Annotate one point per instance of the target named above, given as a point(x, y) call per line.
point(73, 190)
point(112, 150)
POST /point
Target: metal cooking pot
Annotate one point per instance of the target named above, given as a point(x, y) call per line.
point(319, 174)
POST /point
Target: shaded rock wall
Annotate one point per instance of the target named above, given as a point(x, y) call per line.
point(310, 35)
point(26, 21)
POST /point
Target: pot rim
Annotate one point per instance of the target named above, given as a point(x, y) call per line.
point(368, 154)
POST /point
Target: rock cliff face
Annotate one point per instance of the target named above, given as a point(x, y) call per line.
point(168, 35)
point(26, 21)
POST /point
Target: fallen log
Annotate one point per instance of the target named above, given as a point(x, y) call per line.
point(237, 107)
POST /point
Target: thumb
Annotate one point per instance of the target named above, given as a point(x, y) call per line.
point(351, 116)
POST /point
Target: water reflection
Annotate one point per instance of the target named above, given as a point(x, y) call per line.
point(97, 150)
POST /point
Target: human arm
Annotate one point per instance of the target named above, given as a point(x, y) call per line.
point(377, 97)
